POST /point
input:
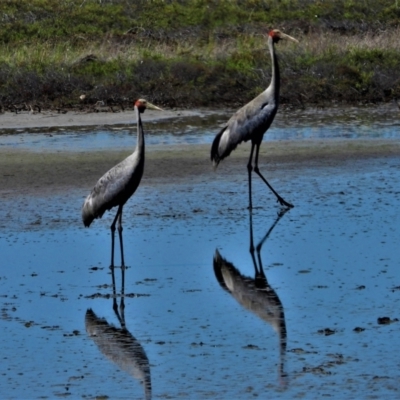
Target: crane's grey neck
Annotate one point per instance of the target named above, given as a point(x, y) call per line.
point(275, 78)
point(140, 135)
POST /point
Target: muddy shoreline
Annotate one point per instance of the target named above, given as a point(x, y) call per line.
point(52, 119)
point(49, 171)
point(23, 171)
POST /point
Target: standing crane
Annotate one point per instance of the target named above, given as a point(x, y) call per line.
point(117, 185)
point(253, 120)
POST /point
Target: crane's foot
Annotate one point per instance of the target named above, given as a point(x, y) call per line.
point(282, 212)
point(284, 203)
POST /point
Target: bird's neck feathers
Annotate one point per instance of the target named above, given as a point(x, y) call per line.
point(275, 77)
point(140, 133)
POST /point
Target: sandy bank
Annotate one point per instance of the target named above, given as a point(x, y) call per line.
point(47, 119)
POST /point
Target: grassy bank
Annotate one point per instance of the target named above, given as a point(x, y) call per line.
point(196, 53)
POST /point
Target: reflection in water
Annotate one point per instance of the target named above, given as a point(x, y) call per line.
point(119, 345)
point(256, 295)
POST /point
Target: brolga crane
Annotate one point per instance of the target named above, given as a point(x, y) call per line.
point(252, 121)
point(117, 185)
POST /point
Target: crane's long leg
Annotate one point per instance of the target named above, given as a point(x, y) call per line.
point(249, 169)
point(251, 234)
point(113, 235)
point(257, 171)
point(115, 304)
point(120, 229)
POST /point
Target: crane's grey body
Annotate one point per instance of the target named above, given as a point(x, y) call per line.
point(117, 185)
point(248, 123)
point(252, 121)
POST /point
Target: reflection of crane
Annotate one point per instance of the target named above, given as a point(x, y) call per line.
point(256, 295)
point(120, 347)
point(252, 121)
point(118, 344)
point(117, 185)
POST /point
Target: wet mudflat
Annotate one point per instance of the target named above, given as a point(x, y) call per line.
point(200, 323)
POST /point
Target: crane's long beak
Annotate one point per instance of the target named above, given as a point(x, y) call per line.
point(284, 36)
point(153, 107)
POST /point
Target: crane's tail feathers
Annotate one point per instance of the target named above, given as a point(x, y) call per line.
point(215, 156)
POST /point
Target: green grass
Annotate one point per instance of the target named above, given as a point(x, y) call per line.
point(197, 53)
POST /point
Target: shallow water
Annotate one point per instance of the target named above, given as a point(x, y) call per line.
point(332, 262)
point(337, 123)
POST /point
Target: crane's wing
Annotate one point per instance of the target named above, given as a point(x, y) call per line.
point(249, 122)
point(113, 188)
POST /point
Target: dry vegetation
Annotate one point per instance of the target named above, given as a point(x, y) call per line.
point(195, 53)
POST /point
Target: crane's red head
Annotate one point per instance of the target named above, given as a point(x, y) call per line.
point(142, 104)
point(276, 35)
